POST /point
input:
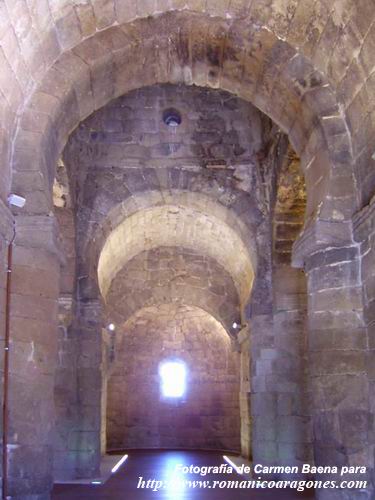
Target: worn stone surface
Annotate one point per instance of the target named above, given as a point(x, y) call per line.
point(207, 417)
point(193, 185)
point(174, 275)
point(157, 226)
point(33, 354)
point(309, 67)
point(256, 52)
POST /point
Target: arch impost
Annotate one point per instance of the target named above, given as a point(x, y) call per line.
point(92, 310)
point(39, 232)
point(244, 334)
point(66, 309)
point(318, 235)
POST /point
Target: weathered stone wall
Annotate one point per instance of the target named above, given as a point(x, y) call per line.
point(87, 438)
point(126, 148)
point(198, 176)
point(66, 392)
point(195, 182)
point(305, 83)
point(130, 202)
point(174, 275)
point(364, 233)
point(173, 225)
point(111, 183)
point(207, 417)
point(216, 129)
point(65, 218)
point(151, 162)
point(338, 351)
point(35, 290)
point(280, 423)
point(309, 65)
point(290, 379)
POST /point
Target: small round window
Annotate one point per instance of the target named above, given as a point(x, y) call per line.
point(172, 117)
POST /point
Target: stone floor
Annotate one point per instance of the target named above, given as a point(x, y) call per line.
point(159, 465)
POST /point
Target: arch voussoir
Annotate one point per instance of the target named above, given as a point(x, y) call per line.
point(243, 58)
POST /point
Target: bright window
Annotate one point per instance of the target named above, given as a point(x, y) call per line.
point(173, 379)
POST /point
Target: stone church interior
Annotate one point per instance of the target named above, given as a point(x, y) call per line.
point(187, 248)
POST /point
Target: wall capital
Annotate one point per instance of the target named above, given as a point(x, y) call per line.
point(91, 312)
point(318, 235)
point(244, 334)
point(66, 309)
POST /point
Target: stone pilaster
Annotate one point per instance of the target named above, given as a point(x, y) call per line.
point(33, 352)
point(281, 429)
point(89, 376)
point(65, 391)
point(337, 352)
point(263, 391)
point(243, 339)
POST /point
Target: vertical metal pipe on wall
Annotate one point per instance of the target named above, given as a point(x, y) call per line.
point(6, 368)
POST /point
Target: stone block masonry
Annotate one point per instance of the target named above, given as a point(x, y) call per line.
point(207, 416)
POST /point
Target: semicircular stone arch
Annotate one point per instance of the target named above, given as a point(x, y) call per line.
point(176, 226)
point(241, 56)
point(173, 275)
point(195, 220)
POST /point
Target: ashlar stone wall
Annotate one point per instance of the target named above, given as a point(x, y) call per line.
point(204, 176)
point(216, 129)
point(307, 64)
point(131, 195)
point(174, 275)
point(293, 423)
point(207, 417)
